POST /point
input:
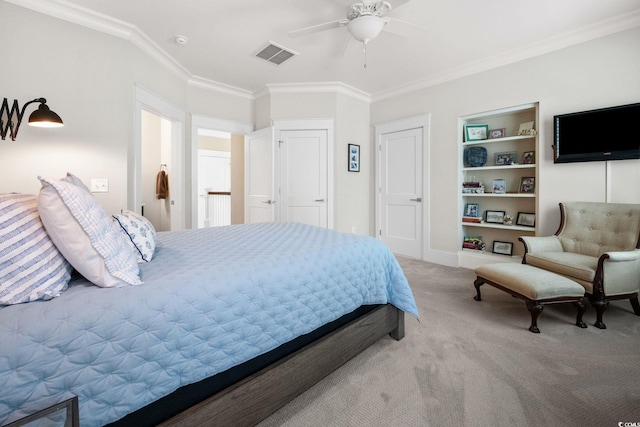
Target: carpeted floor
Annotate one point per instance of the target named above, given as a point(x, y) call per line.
point(468, 363)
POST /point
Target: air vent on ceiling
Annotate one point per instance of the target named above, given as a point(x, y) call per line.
point(275, 54)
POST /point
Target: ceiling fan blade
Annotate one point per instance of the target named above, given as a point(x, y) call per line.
point(397, 3)
point(405, 29)
point(349, 46)
point(317, 28)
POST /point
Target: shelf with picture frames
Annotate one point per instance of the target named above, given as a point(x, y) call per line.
point(493, 152)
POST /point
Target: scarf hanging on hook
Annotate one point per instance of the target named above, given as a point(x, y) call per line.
point(162, 183)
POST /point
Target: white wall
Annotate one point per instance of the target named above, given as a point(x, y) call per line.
point(599, 73)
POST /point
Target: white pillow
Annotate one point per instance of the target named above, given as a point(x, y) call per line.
point(31, 267)
point(86, 235)
point(140, 234)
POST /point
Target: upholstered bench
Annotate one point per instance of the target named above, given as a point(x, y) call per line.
point(535, 286)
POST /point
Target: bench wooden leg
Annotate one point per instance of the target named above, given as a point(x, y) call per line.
point(581, 309)
point(535, 309)
point(478, 282)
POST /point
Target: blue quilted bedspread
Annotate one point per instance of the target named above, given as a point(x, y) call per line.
point(211, 299)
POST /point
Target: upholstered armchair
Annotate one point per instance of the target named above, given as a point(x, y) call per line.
point(598, 246)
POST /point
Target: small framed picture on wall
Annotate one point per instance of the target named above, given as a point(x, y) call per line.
point(354, 158)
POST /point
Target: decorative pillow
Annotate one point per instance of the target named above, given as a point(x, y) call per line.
point(71, 178)
point(86, 235)
point(31, 267)
point(140, 233)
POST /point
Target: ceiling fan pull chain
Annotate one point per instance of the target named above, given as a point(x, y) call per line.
point(364, 50)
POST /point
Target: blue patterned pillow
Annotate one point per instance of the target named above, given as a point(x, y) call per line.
point(85, 234)
point(31, 267)
point(140, 233)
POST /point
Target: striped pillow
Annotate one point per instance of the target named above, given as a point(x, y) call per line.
point(86, 236)
point(31, 267)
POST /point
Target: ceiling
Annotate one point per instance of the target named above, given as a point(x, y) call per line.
point(456, 38)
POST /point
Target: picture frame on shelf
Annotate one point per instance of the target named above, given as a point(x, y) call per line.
point(527, 129)
point(529, 158)
point(354, 158)
point(526, 219)
point(472, 209)
point(499, 186)
point(497, 133)
point(502, 248)
point(506, 158)
point(494, 217)
point(528, 184)
point(476, 132)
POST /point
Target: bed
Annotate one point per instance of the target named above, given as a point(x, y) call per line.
point(225, 319)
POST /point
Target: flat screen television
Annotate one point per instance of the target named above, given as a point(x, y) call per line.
point(605, 134)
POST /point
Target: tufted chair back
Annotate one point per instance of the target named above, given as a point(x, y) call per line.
point(595, 228)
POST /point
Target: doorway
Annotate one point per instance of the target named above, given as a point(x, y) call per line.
point(166, 136)
point(155, 156)
point(401, 202)
point(220, 136)
point(214, 178)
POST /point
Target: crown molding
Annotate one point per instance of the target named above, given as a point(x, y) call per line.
point(600, 29)
point(319, 87)
point(219, 87)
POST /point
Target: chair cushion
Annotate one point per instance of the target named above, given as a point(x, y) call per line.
point(572, 265)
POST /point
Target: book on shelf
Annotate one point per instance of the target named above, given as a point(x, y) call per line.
point(473, 190)
point(474, 219)
point(473, 242)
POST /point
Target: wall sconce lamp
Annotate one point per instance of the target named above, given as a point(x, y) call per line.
point(10, 119)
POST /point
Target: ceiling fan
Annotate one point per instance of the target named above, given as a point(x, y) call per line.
point(364, 21)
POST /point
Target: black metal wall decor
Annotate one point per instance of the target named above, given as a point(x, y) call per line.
point(10, 118)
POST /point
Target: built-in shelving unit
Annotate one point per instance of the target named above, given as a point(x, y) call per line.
point(515, 198)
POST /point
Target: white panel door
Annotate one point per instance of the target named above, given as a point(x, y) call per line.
point(303, 176)
point(259, 176)
point(214, 174)
point(401, 191)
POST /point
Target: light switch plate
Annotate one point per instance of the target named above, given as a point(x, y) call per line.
point(99, 185)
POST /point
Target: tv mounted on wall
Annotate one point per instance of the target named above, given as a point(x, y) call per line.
point(595, 135)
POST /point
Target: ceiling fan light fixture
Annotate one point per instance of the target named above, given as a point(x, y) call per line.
point(366, 28)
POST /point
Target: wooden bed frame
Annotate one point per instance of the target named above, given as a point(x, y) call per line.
point(253, 399)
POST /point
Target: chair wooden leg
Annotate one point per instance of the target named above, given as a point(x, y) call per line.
point(600, 306)
point(635, 305)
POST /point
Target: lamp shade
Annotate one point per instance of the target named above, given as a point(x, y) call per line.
point(44, 117)
point(366, 28)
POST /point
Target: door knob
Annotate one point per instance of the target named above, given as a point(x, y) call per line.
point(419, 199)
point(270, 202)
point(319, 200)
